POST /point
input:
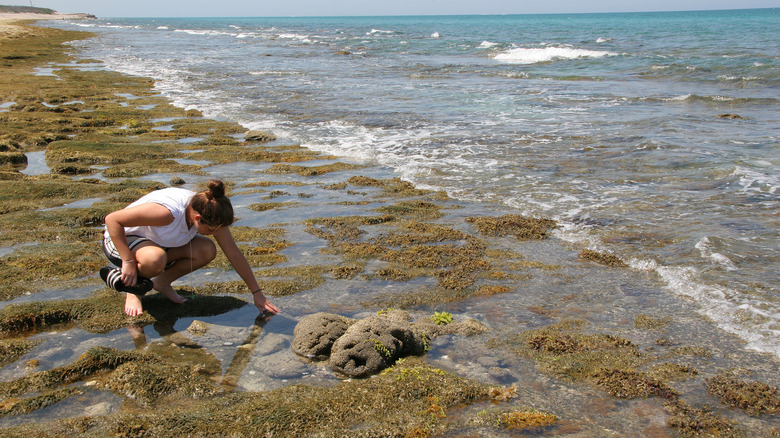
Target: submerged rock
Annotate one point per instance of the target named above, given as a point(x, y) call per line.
point(365, 347)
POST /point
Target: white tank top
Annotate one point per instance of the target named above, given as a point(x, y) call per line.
point(175, 234)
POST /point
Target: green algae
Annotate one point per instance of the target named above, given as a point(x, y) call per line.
point(650, 322)
point(416, 233)
point(272, 236)
point(347, 271)
point(672, 372)
point(755, 398)
point(122, 158)
point(13, 349)
point(604, 259)
point(104, 312)
point(396, 403)
point(19, 406)
point(518, 226)
point(629, 384)
point(57, 261)
point(300, 278)
point(394, 187)
point(413, 249)
point(229, 151)
point(150, 383)
point(33, 193)
point(515, 419)
point(95, 360)
point(266, 206)
point(421, 210)
point(12, 158)
point(260, 247)
point(604, 360)
point(690, 421)
point(312, 170)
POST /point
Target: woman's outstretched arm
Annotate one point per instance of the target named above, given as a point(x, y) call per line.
point(241, 265)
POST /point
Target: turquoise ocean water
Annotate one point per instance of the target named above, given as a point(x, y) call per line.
point(608, 123)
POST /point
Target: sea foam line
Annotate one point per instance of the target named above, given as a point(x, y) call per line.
point(523, 55)
point(736, 313)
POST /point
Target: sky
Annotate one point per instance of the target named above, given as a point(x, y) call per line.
point(254, 8)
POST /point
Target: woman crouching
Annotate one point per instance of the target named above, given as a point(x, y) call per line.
point(159, 238)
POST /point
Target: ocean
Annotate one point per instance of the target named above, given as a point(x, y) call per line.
point(650, 136)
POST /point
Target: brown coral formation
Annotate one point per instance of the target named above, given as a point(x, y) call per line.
point(365, 347)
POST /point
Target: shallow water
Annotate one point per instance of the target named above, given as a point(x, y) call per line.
point(36, 164)
point(607, 123)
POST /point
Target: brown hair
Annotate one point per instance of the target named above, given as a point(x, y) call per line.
point(213, 206)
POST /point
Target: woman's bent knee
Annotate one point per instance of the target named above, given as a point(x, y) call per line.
point(204, 250)
point(151, 261)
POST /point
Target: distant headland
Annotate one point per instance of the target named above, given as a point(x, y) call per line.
point(34, 13)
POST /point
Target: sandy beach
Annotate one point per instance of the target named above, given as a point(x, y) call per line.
point(9, 30)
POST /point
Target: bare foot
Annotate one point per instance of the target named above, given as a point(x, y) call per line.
point(133, 305)
point(168, 291)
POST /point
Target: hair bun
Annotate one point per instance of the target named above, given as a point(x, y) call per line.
point(216, 188)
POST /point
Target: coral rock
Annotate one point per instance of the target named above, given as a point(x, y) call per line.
point(372, 344)
point(315, 334)
point(259, 136)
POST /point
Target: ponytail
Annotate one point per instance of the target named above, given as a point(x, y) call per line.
point(213, 206)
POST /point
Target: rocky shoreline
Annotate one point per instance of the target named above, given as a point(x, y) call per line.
point(109, 138)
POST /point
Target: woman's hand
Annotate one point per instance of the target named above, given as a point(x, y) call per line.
point(129, 272)
point(262, 303)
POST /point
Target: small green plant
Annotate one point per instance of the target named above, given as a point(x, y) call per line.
point(441, 318)
point(385, 311)
point(380, 347)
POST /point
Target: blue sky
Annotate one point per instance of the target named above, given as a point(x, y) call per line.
point(254, 8)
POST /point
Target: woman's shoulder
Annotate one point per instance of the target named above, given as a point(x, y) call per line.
point(172, 196)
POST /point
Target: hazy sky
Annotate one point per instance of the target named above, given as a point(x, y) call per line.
point(254, 8)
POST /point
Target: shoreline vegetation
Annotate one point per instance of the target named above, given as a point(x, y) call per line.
point(90, 122)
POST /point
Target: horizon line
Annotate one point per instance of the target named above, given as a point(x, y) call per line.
point(428, 15)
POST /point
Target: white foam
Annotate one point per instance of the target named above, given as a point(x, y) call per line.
point(206, 32)
point(754, 181)
point(487, 44)
point(754, 322)
point(704, 245)
point(523, 55)
point(435, 35)
point(294, 36)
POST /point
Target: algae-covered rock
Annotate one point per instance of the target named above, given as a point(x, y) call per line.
point(366, 347)
point(315, 334)
point(198, 327)
point(755, 398)
point(397, 403)
point(95, 360)
point(148, 382)
point(259, 136)
point(372, 344)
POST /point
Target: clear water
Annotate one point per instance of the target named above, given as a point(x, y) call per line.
point(607, 123)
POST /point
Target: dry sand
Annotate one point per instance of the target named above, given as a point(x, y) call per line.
point(9, 30)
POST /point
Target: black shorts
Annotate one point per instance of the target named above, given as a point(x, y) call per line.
point(113, 255)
